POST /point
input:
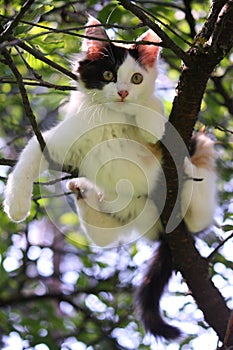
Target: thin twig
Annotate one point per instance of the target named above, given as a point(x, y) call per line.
point(26, 103)
point(162, 3)
point(53, 182)
point(168, 28)
point(39, 83)
point(8, 162)
point(167, 42)
point(35, 199)
point(15, 41)
point(44, 59)
point(31, 116)
point(12, 24)
point(222, 128)
point(71, 29)
point(215, 251)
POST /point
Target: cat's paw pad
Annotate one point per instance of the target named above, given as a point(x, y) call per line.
point(84, 189)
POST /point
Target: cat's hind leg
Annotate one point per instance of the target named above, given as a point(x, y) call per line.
point(100, 226)
point(199, 191)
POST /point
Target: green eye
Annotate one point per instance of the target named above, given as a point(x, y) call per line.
point(108, 75)
point(137, 78)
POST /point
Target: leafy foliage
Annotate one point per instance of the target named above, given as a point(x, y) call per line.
point(55, 289)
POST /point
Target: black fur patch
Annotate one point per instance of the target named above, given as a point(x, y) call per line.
point(149, 293)
point(91, 71)
point(192, 146)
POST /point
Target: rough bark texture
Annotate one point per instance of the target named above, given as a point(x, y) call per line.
point(201, 61)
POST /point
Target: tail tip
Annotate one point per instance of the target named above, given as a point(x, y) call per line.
point(162, 330)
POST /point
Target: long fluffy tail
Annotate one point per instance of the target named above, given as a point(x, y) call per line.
point(149, 293)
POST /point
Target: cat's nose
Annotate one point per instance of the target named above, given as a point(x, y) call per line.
point(123, 94)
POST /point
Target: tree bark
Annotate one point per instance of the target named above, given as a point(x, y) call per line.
point(200, 61)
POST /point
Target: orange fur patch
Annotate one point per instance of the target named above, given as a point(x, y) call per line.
point(205, 154)
point(156, 150)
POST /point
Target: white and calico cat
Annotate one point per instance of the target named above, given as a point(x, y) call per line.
point(110, 132)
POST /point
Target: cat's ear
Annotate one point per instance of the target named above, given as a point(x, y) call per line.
point(148, 53)
point(94, 48)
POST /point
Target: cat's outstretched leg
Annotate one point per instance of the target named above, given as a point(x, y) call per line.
point(18, 190)
point(107, 223)
point(199, 191)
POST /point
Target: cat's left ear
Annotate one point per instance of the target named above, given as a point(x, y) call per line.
point(148, 53)
point(94, 48)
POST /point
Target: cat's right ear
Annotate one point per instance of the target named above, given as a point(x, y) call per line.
point(149, 53)
point(94, 48)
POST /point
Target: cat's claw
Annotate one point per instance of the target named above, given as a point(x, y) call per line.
point(84, 189)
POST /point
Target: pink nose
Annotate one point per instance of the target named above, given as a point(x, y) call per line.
point(123, 94)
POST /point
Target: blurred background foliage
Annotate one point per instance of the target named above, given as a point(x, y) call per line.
point(56, 291)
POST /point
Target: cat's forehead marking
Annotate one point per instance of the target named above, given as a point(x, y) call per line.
point(128, 67)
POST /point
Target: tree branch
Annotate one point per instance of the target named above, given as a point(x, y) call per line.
point(189, 17)
point(9, 162)
point(44, 59)
point(199, 63)
point(12, 24)
point(40, 82)
point(222, 40)
point(167, 42)
point(209, 25)
point(220, 245)
point(25, 100)
point(31, 117)
point(186, 105)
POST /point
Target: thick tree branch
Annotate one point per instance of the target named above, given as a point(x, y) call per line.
point(222, 40)
point(186, 106)
point(208, 27)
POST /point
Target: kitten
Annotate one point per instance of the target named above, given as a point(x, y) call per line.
point(110, 132)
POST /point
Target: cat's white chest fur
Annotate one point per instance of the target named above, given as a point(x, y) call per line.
point(111, 150)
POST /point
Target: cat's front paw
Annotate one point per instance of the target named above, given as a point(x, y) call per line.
point(17, 200)
point(85, 189)
point(17, 208)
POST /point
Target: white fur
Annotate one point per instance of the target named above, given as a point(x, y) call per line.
point(198, 197)
point(98, 136)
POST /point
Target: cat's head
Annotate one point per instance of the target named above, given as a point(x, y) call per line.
point(117, 74)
